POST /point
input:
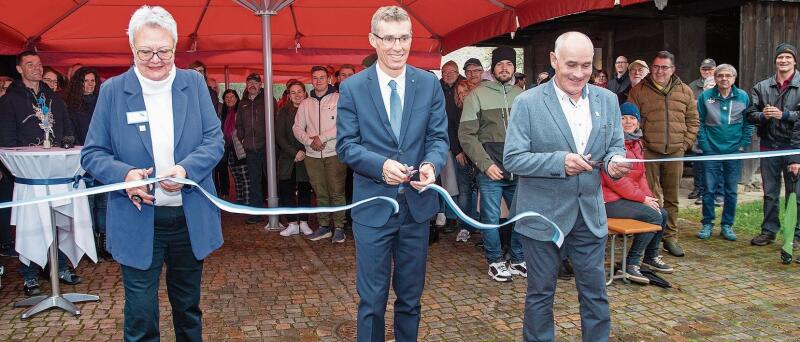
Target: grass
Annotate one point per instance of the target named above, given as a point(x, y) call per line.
point(747, 220)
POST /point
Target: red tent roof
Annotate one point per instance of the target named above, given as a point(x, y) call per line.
point(221, 32)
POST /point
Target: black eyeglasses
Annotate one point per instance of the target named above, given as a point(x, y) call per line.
point(390, 40)
point(163, 54)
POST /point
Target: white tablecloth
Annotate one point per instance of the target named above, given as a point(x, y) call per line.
point(73, 217)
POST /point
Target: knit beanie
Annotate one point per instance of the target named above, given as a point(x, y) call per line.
point(786, 48)
point(504, 53)
point(628, 108)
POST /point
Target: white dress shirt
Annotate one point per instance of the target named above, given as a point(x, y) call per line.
point(386, 91)
point(579, 117)
point(158, 103)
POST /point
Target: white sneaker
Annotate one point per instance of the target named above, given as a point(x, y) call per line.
point(463, 236)
point(519, 269)
point(441, 219)
point(305, 229)
point(292, 229)
point(499, 272)
point(280, 227)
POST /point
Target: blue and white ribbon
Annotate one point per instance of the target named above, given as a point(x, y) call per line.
point(220, 203)
point(558, 236)
point(731, 156)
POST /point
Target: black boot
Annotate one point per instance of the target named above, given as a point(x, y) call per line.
point(100, 245)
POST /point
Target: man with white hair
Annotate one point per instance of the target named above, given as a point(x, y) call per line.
point(170, 130)
point(562, 135)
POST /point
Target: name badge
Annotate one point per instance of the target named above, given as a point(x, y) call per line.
point(137, 117)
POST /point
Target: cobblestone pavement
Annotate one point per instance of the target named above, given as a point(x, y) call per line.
point(262, 287)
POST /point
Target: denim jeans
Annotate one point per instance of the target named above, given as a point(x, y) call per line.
point(467, 199)
point(725, 173)
point(491, 194)
point(699, 177)
point(646, 243)
point(772, 170)
point(31, 271)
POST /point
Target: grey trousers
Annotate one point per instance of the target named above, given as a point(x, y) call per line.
point(587, 253)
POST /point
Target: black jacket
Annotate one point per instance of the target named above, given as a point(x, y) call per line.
point(453, 116)
point(618, 85)
point(18, 104)
point(81, 117)
point(775, 134)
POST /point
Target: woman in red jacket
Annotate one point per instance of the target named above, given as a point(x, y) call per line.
point(630, 197)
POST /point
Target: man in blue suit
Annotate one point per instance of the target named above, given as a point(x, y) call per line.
point(155, 119)
point(391, 123)
point(561, 136)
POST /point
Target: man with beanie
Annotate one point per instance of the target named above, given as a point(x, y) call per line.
point(774, 110)
point(482, 133)
point(669, 127)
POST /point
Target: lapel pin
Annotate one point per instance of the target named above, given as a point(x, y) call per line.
point(142, 128)
point(597, 114)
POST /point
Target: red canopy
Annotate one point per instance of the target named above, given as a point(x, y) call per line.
point(309, 32)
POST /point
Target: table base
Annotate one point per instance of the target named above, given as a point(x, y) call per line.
point(63, 302)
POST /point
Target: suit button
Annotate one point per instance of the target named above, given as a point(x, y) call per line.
point(579, 195)
point(399, 151)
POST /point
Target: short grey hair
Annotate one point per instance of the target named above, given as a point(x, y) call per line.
point(725, 67)
point(388, 13)
point(564, 36)
point(155, 16)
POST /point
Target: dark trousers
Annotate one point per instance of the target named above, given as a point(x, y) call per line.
point(645, 243)
point(6, 195)
point(772, 171)
point(586, 252)
point(98, 204)
point(255, 169)
point(292, 193)
point(171, 245)
point(221, 178)
point(402, 242)
point(31, 271)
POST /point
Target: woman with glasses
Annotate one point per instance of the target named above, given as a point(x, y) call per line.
point(157, 120)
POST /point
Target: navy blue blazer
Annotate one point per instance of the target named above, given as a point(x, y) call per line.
point(364, 140)
point(114, 147)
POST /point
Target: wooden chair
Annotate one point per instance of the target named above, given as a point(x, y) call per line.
point(624, 227)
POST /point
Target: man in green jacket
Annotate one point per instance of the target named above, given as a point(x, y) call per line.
point(723, 130)
point(482, 133)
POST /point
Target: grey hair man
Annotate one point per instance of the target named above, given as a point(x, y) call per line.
point(577, 136)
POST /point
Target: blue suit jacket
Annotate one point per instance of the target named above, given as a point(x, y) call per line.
point(537, 142)
point(364, 140)
point(114, 147)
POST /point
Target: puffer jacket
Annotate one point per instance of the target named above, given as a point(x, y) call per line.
point(669, 118)
point(633, 186)
point(484, 120)
point(775, 134)
point(316, 116)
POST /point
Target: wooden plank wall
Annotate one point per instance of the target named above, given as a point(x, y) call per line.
point(764, 25)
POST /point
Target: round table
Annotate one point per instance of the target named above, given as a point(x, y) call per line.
point(41, 172)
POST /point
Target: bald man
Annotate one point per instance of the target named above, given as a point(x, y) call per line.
point(577, 136)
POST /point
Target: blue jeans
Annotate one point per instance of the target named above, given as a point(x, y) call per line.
point(699, 177)
point(645, 243)
point(467, 198)
point(32, 271)
point(491, 194)
point(725, 173)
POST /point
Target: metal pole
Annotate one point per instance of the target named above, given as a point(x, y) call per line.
point(272, 179)
point(227, 78)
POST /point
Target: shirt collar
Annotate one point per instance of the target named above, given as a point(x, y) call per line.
point(155, 87)
point(384, 78)
point(563, 96)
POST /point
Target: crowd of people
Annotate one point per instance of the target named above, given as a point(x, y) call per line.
point(327, 154)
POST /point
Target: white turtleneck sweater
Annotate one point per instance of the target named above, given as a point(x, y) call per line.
point(158, 103)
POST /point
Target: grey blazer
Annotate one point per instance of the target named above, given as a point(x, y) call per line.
point(537, 142)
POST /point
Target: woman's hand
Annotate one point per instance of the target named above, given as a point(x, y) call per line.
point(139, 194)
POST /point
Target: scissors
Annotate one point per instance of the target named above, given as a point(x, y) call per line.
point(593, 163)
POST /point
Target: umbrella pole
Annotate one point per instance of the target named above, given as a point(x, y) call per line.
point(272, 183)
point(227, 79)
